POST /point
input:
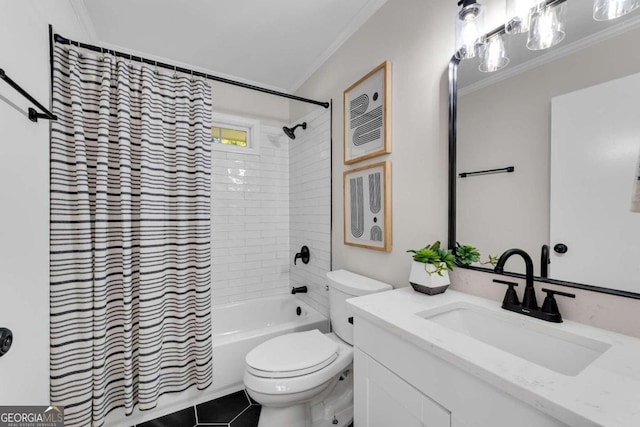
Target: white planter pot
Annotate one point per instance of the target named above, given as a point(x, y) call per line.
point(426, 280)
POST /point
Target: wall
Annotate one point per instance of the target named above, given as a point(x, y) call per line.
point(228, 99)
point(417, 37)
point(250, 220)
point(24, 189)
point(310, 206)
point(491, 210)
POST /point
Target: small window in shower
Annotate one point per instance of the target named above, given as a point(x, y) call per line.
point(234, 133)
point(227, 136)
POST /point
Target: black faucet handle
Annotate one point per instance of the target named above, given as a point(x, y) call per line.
point(303, 255)
point(550, 305)
point(510, 297)
point(551, 292)
point(504, 282)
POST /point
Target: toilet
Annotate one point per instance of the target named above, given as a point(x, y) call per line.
point(305, 379)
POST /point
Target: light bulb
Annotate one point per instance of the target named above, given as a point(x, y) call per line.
point(469, 26)
point(547, 27)
point(493, 55)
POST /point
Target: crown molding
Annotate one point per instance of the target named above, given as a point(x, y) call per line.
point(358, 21)
point(80, 9)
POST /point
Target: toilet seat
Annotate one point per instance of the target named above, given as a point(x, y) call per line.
point(274, 389)
point(292, 355)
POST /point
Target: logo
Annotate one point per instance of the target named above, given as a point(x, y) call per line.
point(31, 416)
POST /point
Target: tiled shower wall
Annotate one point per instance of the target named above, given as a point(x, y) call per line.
point(310, 206)
point(250, 220)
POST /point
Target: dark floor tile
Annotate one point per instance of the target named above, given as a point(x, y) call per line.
point(224, 409)
point(248, 418)
point(184, 418)
point(253, 402)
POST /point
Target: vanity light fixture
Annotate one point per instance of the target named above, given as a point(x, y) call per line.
point(544, 21)
point(547, 26)
point(604, 10)
point(493, 55)
point(469, 27)
point(519, 15)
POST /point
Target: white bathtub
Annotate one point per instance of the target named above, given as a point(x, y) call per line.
point(237, 328)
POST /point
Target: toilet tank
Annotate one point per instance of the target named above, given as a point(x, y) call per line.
point(343, 285)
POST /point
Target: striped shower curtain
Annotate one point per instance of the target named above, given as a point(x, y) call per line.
point(130, 235)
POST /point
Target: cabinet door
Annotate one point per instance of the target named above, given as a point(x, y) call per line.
point(383, 399)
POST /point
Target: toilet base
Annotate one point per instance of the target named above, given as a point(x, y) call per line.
point(336, 406)
point(300, 416)
point(290, 416)
point(333, 407)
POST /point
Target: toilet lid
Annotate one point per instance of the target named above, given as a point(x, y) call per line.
point(292, 355)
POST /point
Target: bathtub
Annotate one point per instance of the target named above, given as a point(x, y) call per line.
point(237, 328)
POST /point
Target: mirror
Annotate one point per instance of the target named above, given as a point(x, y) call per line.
point(565, 119)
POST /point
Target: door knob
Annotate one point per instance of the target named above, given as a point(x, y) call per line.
point(6, 339)
point(560, 248)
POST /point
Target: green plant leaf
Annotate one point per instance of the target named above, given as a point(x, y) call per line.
point(435, 255)
point(466, 254)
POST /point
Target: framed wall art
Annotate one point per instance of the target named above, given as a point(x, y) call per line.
point(367, 206)
point(366, 112)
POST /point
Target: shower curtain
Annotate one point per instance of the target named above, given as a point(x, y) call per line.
point(130, 235)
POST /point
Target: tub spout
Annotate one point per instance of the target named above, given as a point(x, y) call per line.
point(299, 290)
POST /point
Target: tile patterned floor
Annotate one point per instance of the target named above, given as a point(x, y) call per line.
point(233, 410)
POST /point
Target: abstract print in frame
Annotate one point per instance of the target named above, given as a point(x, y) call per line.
point(367, 206)
point(366, 104)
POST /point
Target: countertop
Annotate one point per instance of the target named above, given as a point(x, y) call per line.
point(606, 393)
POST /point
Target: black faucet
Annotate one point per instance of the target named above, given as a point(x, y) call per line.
point(529, 299)
point(299, 290)
point(529, 307)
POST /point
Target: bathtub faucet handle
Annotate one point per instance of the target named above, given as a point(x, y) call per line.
point(299, 290)
point(303, 255)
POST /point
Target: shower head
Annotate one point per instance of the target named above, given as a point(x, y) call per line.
point(290, 131)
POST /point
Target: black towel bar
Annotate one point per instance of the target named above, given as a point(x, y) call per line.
point(488, 171)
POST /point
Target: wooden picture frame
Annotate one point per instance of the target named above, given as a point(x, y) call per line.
point(366, 109)
point(367, 206)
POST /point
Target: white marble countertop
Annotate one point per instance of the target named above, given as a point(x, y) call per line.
point(605, 393)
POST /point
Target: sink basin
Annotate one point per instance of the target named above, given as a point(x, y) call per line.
point(545, 345)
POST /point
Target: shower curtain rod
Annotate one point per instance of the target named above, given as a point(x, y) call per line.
point(63, 40)
point(33, 114)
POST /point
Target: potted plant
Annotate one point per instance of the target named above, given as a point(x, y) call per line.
point(431, 266)
point(430, 269)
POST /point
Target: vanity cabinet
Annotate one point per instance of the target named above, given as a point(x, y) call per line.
point(397, 383)
point(383, 399)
